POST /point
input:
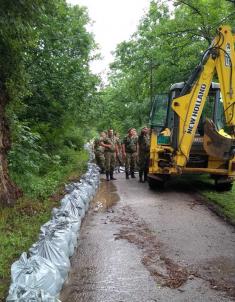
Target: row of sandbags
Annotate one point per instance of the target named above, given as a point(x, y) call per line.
point(38, 275)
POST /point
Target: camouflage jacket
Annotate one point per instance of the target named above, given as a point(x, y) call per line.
point(144, 143)
point(97, 147)
point(130, 144)
point(110, 141)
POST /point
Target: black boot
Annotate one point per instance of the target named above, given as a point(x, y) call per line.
point(145, 176)
point(127, 175)
point(111, 176)
point(133, 174)
point(107, 176)
point(141, 177)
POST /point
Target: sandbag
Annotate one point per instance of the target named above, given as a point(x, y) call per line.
point(74, 204)
point(36, 272)
point(46, 249)
point(60, 214)
point(19, 293)
point(60, 234)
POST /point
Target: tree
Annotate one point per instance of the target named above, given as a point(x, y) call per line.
point(46, 85)
point(16, 31)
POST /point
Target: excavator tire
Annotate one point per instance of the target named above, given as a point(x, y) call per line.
point(223, 186)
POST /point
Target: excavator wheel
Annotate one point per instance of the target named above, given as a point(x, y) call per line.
point(227, 186)
point(222, 183)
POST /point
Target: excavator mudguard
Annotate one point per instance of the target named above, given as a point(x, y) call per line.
point(217, 145)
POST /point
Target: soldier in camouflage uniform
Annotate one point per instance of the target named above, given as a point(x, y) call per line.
point(144, 153)
point(119, 155)
point(129, 152)
point(99, 152)
point(110, 151)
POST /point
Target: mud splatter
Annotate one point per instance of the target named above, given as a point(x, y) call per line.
point(220, 273)
point(136, 231)
point(164, 270)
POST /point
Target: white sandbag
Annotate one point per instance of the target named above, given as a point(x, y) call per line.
point(22, 294)
point(64, 230)
point(63, 215)
point(74, 204)
point(60, 234)
point(47, 250)
point(36, 272)
point(84, 196)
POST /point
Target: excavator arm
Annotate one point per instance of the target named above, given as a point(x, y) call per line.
point(220, 59)
point(225, 67)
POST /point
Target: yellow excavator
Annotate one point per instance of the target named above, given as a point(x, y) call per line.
point(198, 134)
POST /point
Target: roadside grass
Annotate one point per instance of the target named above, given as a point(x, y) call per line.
point(222, 202)
point(20, 225)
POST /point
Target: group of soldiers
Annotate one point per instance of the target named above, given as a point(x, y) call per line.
point(111, 152)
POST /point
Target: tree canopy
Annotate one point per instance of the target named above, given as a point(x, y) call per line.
point(165, 49)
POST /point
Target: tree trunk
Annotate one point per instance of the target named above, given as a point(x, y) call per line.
point(9, 192)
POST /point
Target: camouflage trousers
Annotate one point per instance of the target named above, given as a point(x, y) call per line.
point(119, 161)
point(100, 160)
point(109, 161)
point(130, 162)
point(144, 161)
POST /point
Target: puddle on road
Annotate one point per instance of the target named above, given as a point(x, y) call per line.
point(106, 196)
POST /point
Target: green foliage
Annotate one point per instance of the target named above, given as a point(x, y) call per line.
point(45, 50)
point(224, 202)
point(40, 178)
point(165, 49)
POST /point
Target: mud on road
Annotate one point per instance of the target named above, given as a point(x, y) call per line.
point(139, 245)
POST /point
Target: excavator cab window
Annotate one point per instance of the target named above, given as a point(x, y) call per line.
point(170, 113)
point(208, 112)
point(219, 112)
point(159, 111)
point(213, 110)
point(163, 117)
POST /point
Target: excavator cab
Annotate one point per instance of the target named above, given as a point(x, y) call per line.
point(162, 116)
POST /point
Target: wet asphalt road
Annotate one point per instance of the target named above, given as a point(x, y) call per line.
point(140, 245)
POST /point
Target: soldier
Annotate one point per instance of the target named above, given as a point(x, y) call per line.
point(110, 151)
point(144, 153)
point(119, 150)
point(129, 152)
point(99, 152)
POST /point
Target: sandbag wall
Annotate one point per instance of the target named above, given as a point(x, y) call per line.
point(39, 274)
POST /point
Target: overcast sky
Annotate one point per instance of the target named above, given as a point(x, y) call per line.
point(114, 21)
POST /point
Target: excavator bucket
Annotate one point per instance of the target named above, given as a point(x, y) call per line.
point(215, 144)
